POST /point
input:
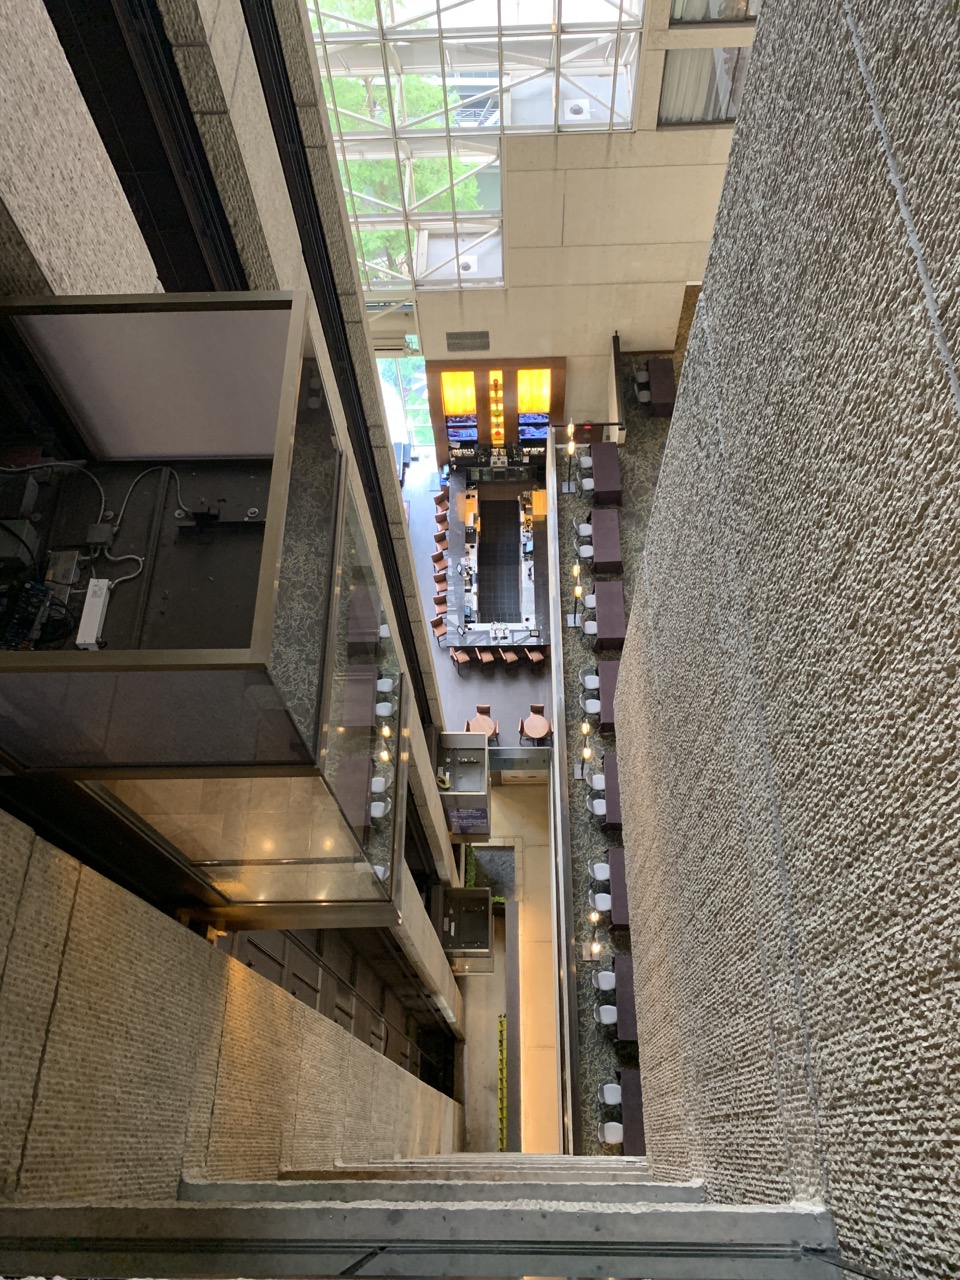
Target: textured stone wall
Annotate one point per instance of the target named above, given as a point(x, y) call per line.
point(791, 804)
point(66, 225)
point(131, 1052)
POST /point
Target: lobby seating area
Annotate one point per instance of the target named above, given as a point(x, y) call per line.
point(602, 519)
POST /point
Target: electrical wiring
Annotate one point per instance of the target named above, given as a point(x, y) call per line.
point(59, 466)
point(136, 480)
point(127, 577)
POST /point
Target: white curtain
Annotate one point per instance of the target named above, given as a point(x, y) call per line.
point(689, 87)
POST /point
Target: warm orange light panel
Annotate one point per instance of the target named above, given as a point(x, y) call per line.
point(459, 392)
point(533, 390)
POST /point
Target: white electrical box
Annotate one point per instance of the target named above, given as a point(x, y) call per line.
point(94, 612)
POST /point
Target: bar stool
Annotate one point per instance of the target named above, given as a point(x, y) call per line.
point(610, 1133)
point(605, 1014)
point(604, 980)
point(609, 1095)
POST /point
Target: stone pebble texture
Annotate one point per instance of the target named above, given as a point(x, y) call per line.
point(65, 224)
point(791, 807)
point(132, 1053)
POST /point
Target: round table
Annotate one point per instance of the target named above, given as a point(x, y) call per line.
point(482, 724)
point(536, 727)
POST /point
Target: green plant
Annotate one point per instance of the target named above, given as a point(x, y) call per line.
point(469, 867)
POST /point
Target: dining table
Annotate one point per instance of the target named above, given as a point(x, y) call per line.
point(625, 997)
point(605, 537)
point(359, 697)
point(351, 786)
point(611, 615)
point(619, 907)
point(608, 672)
point(607, 486)
point(536, 727)
point(611, 790)
point(631, 1113)
point(482, 724)
point(663, 385)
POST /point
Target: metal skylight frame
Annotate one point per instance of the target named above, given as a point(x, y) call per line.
point(476, 53)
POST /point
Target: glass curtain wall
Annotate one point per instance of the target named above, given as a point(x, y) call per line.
point(420, 95)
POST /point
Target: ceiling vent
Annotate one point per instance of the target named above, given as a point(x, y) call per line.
point(469, 264)
point(575, 109)
point(468, 340)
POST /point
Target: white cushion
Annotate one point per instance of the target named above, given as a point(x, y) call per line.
point(610, 1133)
point(589, 627)
point(585, 530)
point(605, 1014)
point(386, 685)
point(590, 602)
point(586, 551)
point(384, 708)
point(605, 980)
point(600, 871)
point(598, 782)
point(590, 682)
point(379, 809)
point(378, 785)
point(611, 1095)
point(591, 706)
point(600, 901)
point(585, 462)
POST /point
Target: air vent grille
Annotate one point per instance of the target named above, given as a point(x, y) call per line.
point(469, 340)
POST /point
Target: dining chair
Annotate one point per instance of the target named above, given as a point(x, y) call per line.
point(605, 1014)
point(600, 871)
point(439, 628)
point(380, 808)
point(520, 731)
point(440, 580)
point(441, 501)
point(588, 625)
point(644, 397)
point(381, 782)
point(440, 537)
point(599, 901)
point(459, 658)
point(386, 708)
point(582, 530)
point(484, 657)
point(585, 485)
point(609, 1094)
point(508, 657)
point(604, 980)
point(598, 782)
point(641, 376)
point(443, 527)
point(440, 604)
point(590, 706)
point(590, 601)
point(386, 684)
point(585, 550)
point(535, 657)
point(441, 517)
point(536, 708)
point(589, 679)
point(585, 461)
point(439, 559)
point(597, 805)
point(483, 709)
point(610, 1133)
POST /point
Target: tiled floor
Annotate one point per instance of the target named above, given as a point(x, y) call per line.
point(509, 692)
point(600, 1053)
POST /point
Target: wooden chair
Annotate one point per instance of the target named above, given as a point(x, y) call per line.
point(534, 657)
point(442, 499)
point(536, 708)
point(441, 518)
point(508, 657)
point(520, 731)
point(440, 604)
point(483, 656)
point(440, 580)
point(460, 658)
point(439, 628)
point(439, 559)
point(441, 546)
point(484, 709)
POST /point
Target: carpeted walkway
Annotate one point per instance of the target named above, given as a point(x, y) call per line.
point(498, 562)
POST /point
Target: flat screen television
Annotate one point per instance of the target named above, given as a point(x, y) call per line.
point(534, 426)
point(461, 435)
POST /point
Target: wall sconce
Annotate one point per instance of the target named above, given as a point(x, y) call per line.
point(595, 947)
point(570, 429)
point(585, 728)
point(587, 751)
point(386, 731)
point(577, 593)
point(576, 570)
point(594, 917)
point(384, 755)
